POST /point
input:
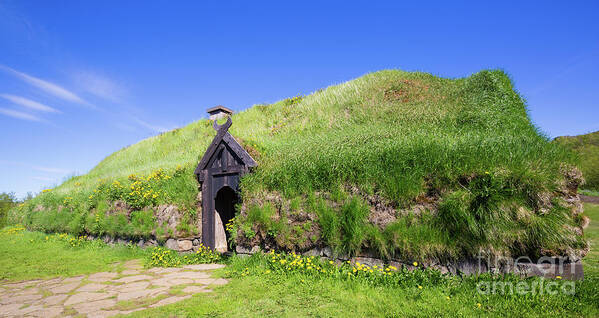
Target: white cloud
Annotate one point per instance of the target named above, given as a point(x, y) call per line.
point(38, 168)
point(154, 128)
point(51, 169)
point(100, 86)
point(48, 87)
point(19, 115)
point(28, 103)
point(44, 179)
point(125, 127)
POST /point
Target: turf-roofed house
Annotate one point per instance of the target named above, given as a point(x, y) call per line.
point(392, 167)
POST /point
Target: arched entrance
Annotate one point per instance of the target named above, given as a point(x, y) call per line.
point(224, 204)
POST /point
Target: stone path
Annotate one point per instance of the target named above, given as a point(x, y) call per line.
point(107, 293)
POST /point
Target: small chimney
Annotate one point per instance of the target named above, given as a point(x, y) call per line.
point(218, 112)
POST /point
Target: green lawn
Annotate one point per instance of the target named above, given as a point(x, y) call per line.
point(591, 261)
point(29, 255)
point(298, 296)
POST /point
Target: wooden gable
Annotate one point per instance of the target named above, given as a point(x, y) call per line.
point(224, 155)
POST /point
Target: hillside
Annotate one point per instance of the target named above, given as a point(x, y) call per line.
point(587, 147)
point(398, 164)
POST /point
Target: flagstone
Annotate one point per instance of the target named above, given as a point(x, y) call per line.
point(128, 279)
point(158, 291)
point(103, 313)
point(5, 300)
point(170, 300)
point(133, 286)
point(193, 289)
point(49, 287)
point(204, 281)
point(188, 275)
point(91, 287)
point(24, 299)
point(204, 266)
point(23, 284)
point(162, 270)
point(48, 312)
point(126, 312)
point(134, 294)
point(180, 281)
point(89, 307)
point(130, 272)
point(161, 282)
point(53, 300)
point(73, 279)
point(28, 309)
point(86, 297)
point(10, 309)
point(63, 288)
point(102, 276)
point(27, 291)
point(49, 282)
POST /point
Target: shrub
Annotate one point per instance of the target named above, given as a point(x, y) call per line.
point(163, 257)
point(7, 202)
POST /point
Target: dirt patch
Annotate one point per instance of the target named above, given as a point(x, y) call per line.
point(250, 147)
point(406, 91)
point(382, 211)
point(120, 207)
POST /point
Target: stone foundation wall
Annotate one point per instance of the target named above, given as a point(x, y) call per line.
point(549, 267)
point(182, 245)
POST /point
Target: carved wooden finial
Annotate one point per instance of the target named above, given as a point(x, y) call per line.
point(225, 126)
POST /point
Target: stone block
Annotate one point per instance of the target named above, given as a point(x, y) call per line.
point(240, 249)
point(368, 261)
point(316, 252)
point(184, 245)
point(172, 244)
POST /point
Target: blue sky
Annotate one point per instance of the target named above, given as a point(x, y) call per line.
point(81, 79)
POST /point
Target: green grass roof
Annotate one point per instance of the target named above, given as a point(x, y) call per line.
point(386, 131)
point(587, 147)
